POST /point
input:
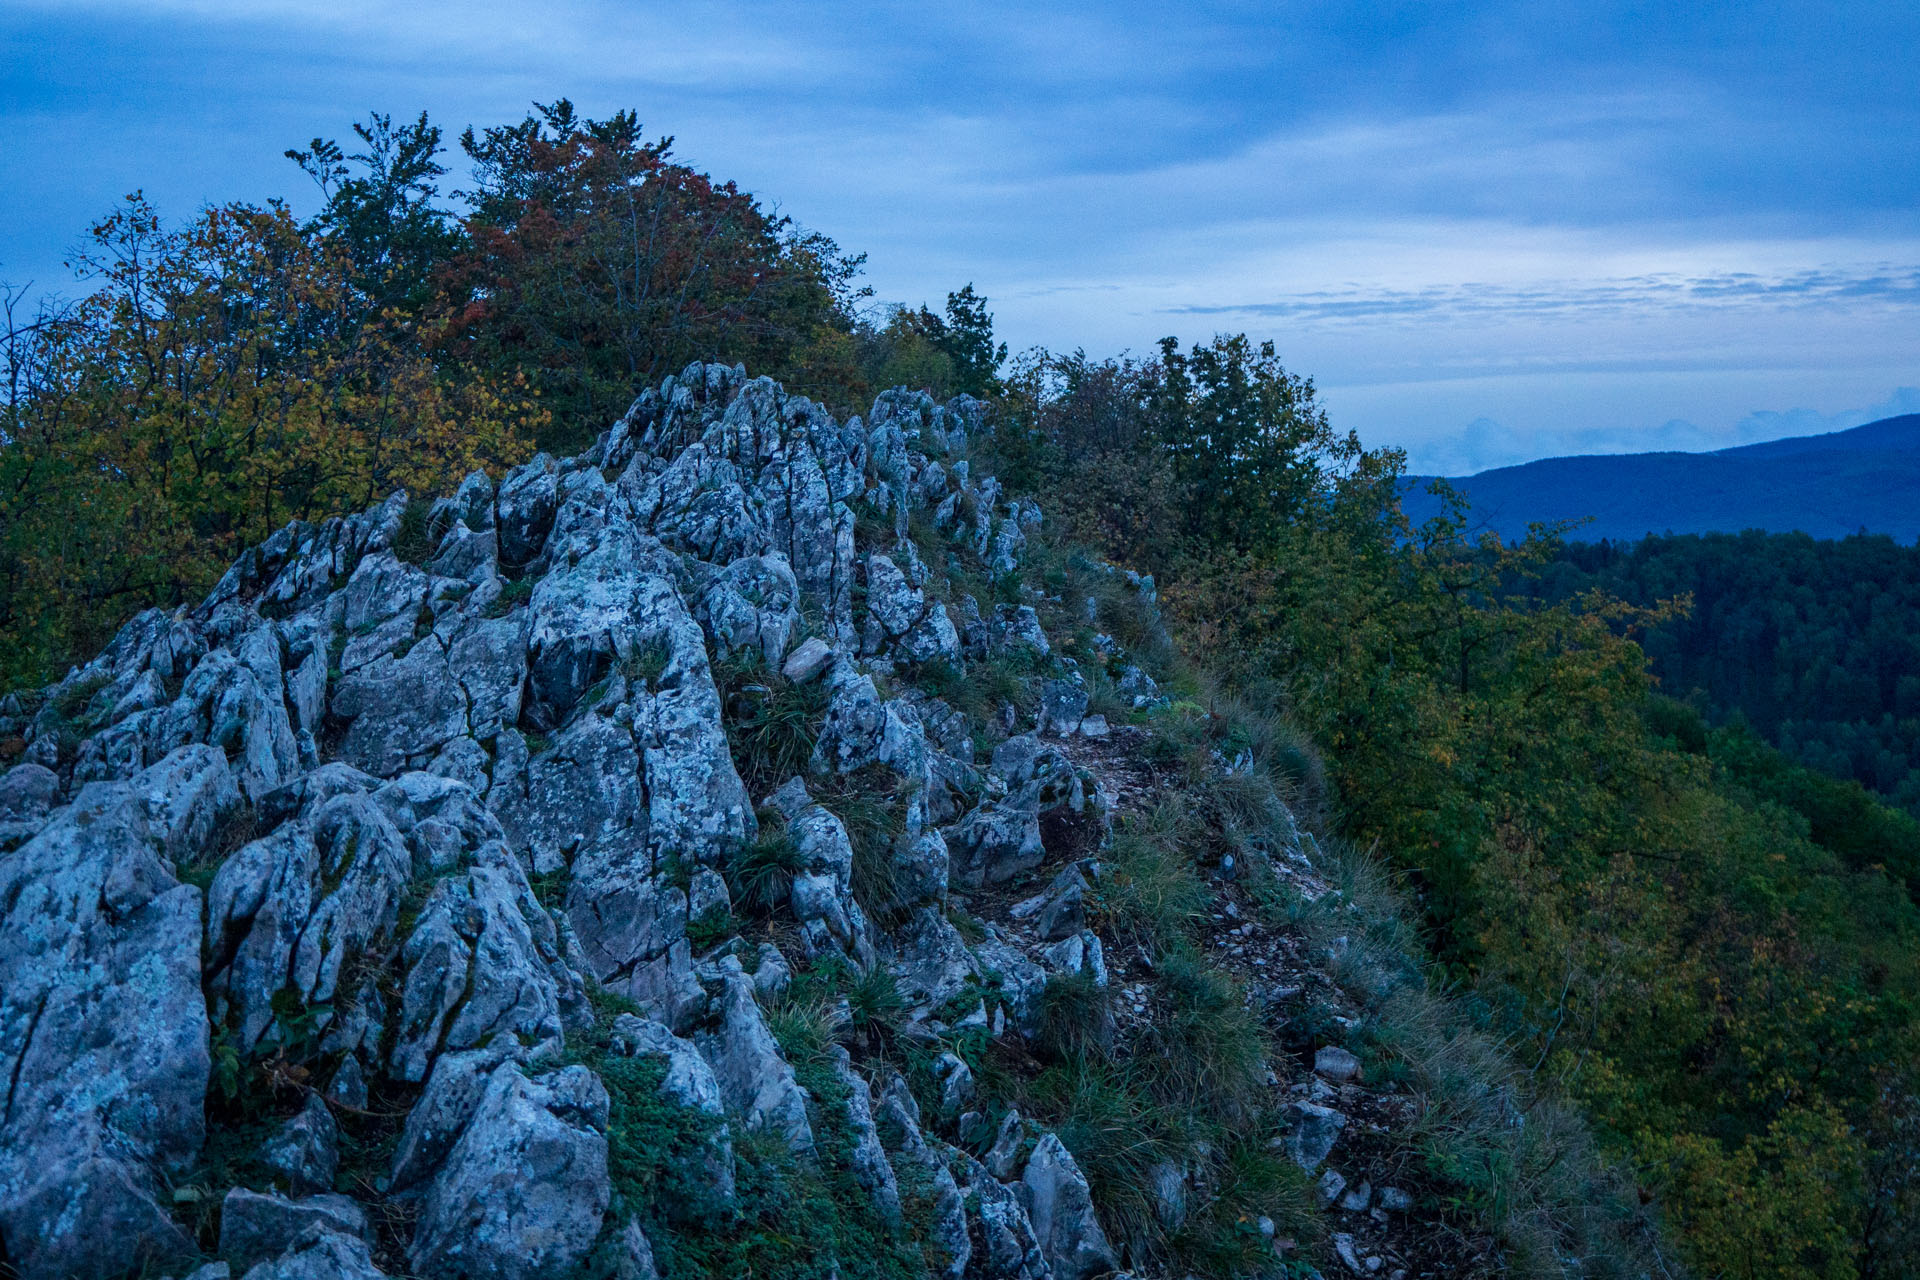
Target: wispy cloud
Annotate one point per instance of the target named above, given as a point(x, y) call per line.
point(1891, 285)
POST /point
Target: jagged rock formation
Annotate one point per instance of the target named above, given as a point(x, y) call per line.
point(415, 836)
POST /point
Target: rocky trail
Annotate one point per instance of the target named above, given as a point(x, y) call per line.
point(601, 873)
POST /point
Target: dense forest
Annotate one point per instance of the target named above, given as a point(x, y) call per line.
point(1814, 644)
point(1709, 947)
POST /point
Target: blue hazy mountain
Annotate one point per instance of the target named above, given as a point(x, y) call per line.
point(1828, 485)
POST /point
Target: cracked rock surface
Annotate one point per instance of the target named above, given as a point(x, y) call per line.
point(356, 919)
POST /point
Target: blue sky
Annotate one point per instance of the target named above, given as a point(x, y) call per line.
point(1489, 232)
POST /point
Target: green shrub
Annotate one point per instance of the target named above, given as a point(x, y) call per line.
point(868, 802)
point(760, 875)
point(771, 722)
point(416, 539)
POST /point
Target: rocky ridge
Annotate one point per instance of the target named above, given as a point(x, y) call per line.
point(349, 918)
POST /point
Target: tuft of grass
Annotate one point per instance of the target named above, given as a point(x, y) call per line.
point(416, 539)
point(867, 802)
point(806, 1021)
point(771, 722)
point(876, 1011)
point(1150, 893)
point(760, 876)
point(1211, 1047)
point(512, 596)
point(1074, 1020)
point(647, 663)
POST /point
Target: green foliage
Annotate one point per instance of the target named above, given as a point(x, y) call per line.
point(760, 875)
point(1814, 644)
point(709, 929)
point(771, 722)
point(593, 263)
point(415, 541)
point(943, 355)
point(217, 380)
point(1675, 929)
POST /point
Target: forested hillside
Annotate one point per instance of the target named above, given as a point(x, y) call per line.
point(1700, 947)
point(1830, 486)
point(1712, 949)
point(1814, 644)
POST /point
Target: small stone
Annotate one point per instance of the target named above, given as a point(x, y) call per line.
point(1330, 1186)
point(1336, 1064)
point(1357, 1199)
point(306, 1151)
point(1002, 1159)
point(1095, 726)
point(1343, 1245)
point(1394, 1200)
point(1027, 906)
point(1315, 1130)
point(349, 1085)
point(808, 661)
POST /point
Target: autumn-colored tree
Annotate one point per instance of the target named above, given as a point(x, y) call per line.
point(218, 380)
point(596, 264)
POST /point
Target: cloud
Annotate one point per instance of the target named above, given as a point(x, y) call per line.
point(1896, 286)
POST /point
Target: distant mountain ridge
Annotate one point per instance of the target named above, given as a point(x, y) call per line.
point(1829, 486)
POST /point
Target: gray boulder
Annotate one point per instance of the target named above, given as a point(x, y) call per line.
point(306, 1150)
point(273, 924)
point(255, 1227)
point(752, 605)
point(402, 709)
point(524, 1190)
point(523, 509)
point(483, 962)
point(439, 1116)
point(755, 1082)
point(103, 1027)
point(1060, 1206)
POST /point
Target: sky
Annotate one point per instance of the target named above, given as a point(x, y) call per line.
point(1488, 232)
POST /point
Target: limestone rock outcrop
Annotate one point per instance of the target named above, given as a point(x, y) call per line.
point(451, 845)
